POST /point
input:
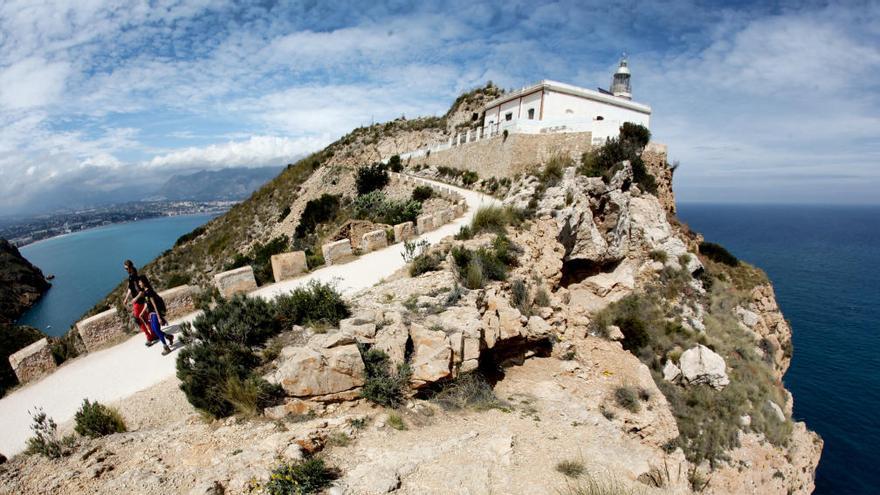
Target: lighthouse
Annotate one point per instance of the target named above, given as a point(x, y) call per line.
point(620, 84)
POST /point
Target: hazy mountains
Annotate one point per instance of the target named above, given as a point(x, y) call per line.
point(228, 184)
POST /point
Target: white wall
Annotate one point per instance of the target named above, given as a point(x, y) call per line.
point(563, 106)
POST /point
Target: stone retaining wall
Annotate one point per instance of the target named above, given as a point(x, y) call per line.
point(335, 251)
point(404, 231)
point(238, 281)
point(375, 240)
point(289, 265)
point(101, 329)
point(34, 361)
point(179, 301)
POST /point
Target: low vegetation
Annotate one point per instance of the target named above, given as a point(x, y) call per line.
point(378, 208)
point(598, 485)
point(627, 397)
point(316, 212)
point(46, 441)
point(383, 386)
point(605, 160)
point(570, 468)
point(299, 478)
point(260, 258)
point(467, 391)
point(708, 419)
point(495, 219)
point(371, 178)
point(217, 370)
point(476, 267)
point(422, 193)
point(467, 177)
point(94, 419)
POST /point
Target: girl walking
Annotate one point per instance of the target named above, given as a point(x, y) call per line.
point(154, 313)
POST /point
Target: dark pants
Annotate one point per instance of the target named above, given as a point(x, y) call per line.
point(157, 328)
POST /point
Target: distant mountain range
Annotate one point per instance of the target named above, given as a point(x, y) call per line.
point(228, 184)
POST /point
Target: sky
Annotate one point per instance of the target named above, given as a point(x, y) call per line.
point(758, 102)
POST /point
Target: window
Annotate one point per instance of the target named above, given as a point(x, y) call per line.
point(568, 110)
point(599, 117)
point(508, 116)
point(531, 113)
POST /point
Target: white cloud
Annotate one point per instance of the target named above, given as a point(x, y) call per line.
point(32, 82)
point(257, 151)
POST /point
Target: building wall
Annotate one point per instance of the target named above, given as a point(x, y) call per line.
point(566, 106)
point(500, 157)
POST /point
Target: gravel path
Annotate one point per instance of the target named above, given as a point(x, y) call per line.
point(125, 369)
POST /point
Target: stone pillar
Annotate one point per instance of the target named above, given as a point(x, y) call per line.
point(375, 240)
point(238, 281)
point(335, 251)
point(404, 231)
point(101, 329)
point(424, 223)
point(289, 265)
point(179, 301)
point(32, 362)
point(467, 136)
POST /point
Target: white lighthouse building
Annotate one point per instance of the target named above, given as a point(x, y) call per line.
point(551, 106)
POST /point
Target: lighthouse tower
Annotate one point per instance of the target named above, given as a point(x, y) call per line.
point(620, 84)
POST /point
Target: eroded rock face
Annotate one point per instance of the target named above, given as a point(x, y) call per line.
point(21, 283)
point(700, 365)
point(330, 364)
point(432, 355)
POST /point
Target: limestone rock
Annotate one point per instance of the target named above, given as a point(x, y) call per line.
point(701, 365)
point(307, 372)
point(777, 411)
point(749, 318)
point(288, 265)
point(391, 338)
point(32, 362)
point(238, 281)
point(671, 372)
point(337, 251)
point(432, 355)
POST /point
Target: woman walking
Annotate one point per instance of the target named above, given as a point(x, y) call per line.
point(137, 303)
point(154, 313)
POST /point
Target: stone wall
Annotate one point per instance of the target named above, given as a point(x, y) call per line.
point(289, 265)
point(655, 158)
point(336, 251)
point(34, 361)
point(240, 280)
point(518, 153)
point(101, 329)
point(372, 241)
point(179, 301)
point(404, 231)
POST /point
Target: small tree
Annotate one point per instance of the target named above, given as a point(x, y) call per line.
point(45, 440)
point(371, 178)
point(96, 420)
point(394, 164)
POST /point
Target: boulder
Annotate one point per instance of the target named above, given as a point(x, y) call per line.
point(101, 329)
point(289, 265)
point(334, 252)
point(424, 223)
point(537, 327)
point(238, 281)
point(701, 365)
point(362, 329)
point(614, 333)
point(404, 231)
point(775, 410)
point(501, 321)
point(391, 338)
point(432, 355)
point(34, 361)
point(374, 240)
point(309, 371)
point(749, 318)
point(179, 301)
point(671, 372)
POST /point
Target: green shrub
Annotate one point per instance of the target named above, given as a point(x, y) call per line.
point(474, 277)
point(394, 164)
point(605, 160)
point(376, 207)
point(553, 170)
point(467, 177)
point(467, 391)
point(659, 255)
point(519, 296)
point(424, 263)
point(316, 212)
point(189, 236)
point(12, 339)
point(249, 396)
point(396, 421)
point(317, 302)
point(260, 258)
point(464, 233)
point(717, 252)
point(96, 420)
point(485, 263)
point(371, 178)
point(627, 398)
point(571, 469)
point(422, 193)
point(284, 213)
point(542, 297)
point(637, 134)
point(177, 279)
point(494, 219)
point(381, 385)
point(314, 259)
point(300, 478)
point(45, 441)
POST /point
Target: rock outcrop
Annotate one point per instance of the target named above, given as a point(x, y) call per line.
point(21, 283)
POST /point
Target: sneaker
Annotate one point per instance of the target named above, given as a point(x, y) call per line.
point(151, 342)
point(170, 339)
point(166, 350)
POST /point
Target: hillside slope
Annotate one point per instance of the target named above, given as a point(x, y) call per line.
point(21, 283)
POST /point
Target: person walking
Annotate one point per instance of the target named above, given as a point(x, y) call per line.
point(137, 303)
point(154, 313)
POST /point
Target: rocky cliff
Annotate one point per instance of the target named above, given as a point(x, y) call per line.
point(21, 283)
point(577, 337)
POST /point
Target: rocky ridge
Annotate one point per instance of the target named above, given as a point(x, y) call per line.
point(21, 283)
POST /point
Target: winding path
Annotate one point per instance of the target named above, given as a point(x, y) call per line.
point(122, 370)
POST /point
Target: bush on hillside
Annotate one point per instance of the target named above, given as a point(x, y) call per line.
point(12, 339)
point(717, 252)
point(605, 161)
point(371, 178)
point(260, 258)
point(97, 420)
point(46, 441)
point(424, 263)
point(222, 350)
point(317, 302)
point(467, 177)
point(422, 193)
point(494, 219)
point(316, 212)
point(394, 164)
point(636, 134)
point(485, 263)
point(382, 386)
point(378, 208)
point(300, 478)
point(189, 236)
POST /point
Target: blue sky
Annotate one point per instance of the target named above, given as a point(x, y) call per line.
point(760, 102)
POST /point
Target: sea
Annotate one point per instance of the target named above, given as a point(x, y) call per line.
point(824, 262)
point(88, 264)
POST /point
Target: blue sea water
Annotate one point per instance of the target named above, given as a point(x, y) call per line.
point(88, 264)
point(824, 262)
